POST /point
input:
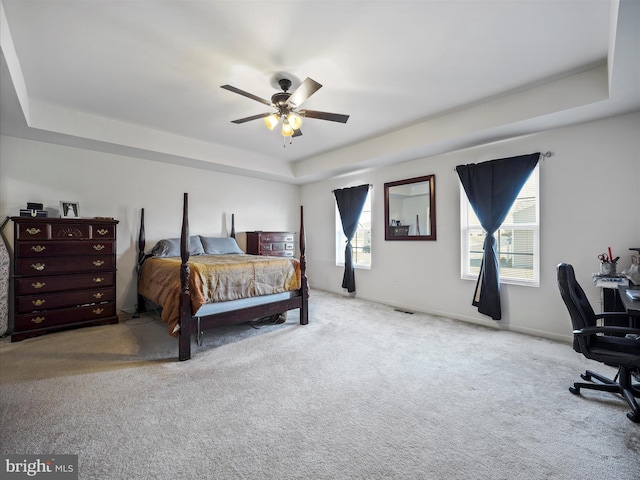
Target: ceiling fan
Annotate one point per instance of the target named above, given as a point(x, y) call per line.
point(287, 105)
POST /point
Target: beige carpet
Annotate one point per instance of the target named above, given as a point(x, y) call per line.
point(362, 392)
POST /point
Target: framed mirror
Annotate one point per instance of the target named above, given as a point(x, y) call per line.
point(410, 209)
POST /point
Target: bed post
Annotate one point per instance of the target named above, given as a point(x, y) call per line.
point(184, 341)
point(304, 285)
point(233, 226)
point(140, 307)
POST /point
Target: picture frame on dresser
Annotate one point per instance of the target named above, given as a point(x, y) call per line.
point(69, 209)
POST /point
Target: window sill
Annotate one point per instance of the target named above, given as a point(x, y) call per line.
point(506, 281)
point(360, 267)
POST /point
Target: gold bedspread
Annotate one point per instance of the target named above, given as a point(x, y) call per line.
point(215, 278)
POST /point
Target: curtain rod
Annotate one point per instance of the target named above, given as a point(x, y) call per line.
point(370, 186)
point(543, 155)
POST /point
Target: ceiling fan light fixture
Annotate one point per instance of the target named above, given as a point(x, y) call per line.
point(271, 121)
point(295, 120)
point(287, 129)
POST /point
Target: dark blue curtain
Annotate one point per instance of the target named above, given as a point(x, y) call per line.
point(491, 188)
point(350, 202)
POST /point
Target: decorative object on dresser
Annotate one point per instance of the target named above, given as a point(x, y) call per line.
point(34, 210)
point(64, 274)
point(69, 210)
point(275, 244)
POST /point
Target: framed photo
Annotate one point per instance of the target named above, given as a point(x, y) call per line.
point(69, 209)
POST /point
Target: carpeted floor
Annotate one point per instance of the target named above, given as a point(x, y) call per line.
point(362, 392)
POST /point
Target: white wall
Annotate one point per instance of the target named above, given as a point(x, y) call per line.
point(589, 200)
point(116, 186)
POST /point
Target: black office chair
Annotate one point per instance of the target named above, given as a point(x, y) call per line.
point(606, 344)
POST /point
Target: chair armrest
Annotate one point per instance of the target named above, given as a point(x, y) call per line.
point(607, 329)
point(612, 315)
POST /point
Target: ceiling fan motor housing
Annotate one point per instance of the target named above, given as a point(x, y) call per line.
point(280, 100)
point(285, 84)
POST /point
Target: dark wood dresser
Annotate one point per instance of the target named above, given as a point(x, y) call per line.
point(276, 244)
point(399, 230)
point(64, 274)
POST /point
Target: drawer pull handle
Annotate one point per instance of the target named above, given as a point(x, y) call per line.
point(98, 263)
point(99, 247)
point(98, 311)
point(103, 231)
point(38, 285)
point(33, 231)
point(39, 302)
point(98, 295)
point(38, 266)
point(98, 280)
point(38, 248)
point(37, 319)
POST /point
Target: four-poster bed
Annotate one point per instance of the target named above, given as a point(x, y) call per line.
point(217, 285)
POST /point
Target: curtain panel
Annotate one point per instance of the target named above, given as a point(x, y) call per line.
point(491, 188)
point(350, 202)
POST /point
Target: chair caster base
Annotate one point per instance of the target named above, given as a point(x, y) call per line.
point(634, 417)
point(574, 390)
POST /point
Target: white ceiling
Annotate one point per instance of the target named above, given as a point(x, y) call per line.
point(142, 78)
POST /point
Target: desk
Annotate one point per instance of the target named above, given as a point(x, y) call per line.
point(631, 306)
point(609, 292)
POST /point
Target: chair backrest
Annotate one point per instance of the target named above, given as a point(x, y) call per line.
point(580, 311)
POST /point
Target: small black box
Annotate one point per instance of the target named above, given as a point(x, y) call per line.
point(35, 206)
point(33, 213)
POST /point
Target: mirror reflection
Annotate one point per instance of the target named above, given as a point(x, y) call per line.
point(410, 209)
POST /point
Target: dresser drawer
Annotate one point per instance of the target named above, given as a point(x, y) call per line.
point(276, 237)
point(274, 247)
point(66, 231)
point(281, 253)
point(43, 284)
point(32, 303)
point(28, 231)
point(103, 231)
point(48, 249)
point(64, 316)
point(58, 265)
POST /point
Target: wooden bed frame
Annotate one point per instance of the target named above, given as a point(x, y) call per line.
point(190, 324)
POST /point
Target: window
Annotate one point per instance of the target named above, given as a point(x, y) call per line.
point(361, 243)
point(517, 240)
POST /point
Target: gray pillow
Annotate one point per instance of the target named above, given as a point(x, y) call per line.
point(220, 245)
point(170, 247)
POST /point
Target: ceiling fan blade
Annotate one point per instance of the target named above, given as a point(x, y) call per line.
point(246, 94)
point(253, 117)
point(333, 117)
point(297, 133)
point(304, 91)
